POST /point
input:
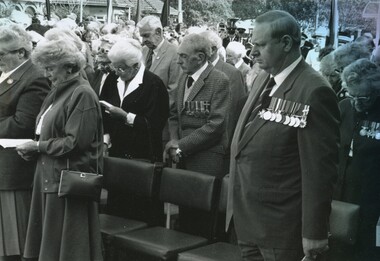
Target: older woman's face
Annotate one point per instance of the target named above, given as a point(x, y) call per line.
point(56, 73)
point(124, 71)
point(10, 59)
point(362, 98)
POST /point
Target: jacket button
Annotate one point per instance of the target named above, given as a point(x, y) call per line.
point(45, 188)
point(46, 181)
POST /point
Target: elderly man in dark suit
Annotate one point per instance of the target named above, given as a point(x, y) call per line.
point(284, 152)
point(23, 88)
point(198, 117)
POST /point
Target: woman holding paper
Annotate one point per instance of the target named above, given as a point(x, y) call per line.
point(23, 87)
point(136, 104)
point(69, 131)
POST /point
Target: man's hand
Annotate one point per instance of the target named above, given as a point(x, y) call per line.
point(170, 151)
point(313, 247)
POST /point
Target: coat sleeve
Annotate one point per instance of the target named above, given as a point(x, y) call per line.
point(80, 128)
point(318, 150)
point(22, 122)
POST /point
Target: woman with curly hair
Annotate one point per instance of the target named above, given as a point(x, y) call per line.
point(69, 136)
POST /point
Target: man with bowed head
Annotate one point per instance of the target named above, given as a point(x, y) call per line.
point(284, 152)
point(198, 117)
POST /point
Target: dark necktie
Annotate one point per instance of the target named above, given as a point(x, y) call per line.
point(190, 81)
point(148, 62)
point(263, 101)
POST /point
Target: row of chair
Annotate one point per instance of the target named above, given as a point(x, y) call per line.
point(133, 221)
point(132, 224)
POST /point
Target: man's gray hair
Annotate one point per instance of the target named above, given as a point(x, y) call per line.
point(151, 21)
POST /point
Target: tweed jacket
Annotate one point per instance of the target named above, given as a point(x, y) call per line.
point(21, 96)
point(282, 177)
point(201, 132)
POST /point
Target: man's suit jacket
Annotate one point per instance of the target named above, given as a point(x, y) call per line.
point(282, 177)
point(237, 93)
point(21, 96)
point(244, 69)
point(165, 65)
point(202, 138)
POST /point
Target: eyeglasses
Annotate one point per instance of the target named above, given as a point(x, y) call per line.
point(103, 50)
point(118, 69)
point(358, 98)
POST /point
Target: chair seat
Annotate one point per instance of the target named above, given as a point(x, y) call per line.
point(158, 242)
point(219, 251)
point(110, 225)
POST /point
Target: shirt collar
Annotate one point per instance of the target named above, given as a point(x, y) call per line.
point(215, 61)
point(198, 73)
point(240, 62)
point(155, 50)
point(7, 74)
point(280, 78)
point(134, 83)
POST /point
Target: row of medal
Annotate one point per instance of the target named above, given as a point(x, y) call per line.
point(199, 109)
point(289, 113)
point(370, 130)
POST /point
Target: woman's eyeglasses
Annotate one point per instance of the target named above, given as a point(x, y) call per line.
point(118, 69)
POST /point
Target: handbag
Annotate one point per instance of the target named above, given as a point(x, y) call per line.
point(80, 184)
point(344, 221)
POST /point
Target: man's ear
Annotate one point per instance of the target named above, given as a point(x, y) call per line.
point(201, 56)
point(158, 31)
point(287, 42)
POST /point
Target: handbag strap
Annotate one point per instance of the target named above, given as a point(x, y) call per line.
point(97, 159)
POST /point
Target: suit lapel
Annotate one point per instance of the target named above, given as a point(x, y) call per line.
point(246, 135)
point(12, 80)
point(181, 92)
point(200, 82)
point(288, 84)
point(285, 87)
point(158, 58)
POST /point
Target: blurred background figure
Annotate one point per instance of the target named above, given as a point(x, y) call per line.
point(320, 41)
point(69, 136)
point(235, 52)
point(23, 88)
point(359, 162)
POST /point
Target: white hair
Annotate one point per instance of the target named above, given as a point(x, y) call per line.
point(127, 50)
point(213, 37)
point(237, 48)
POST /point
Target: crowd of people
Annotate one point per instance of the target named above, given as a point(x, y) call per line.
point(293, 125)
